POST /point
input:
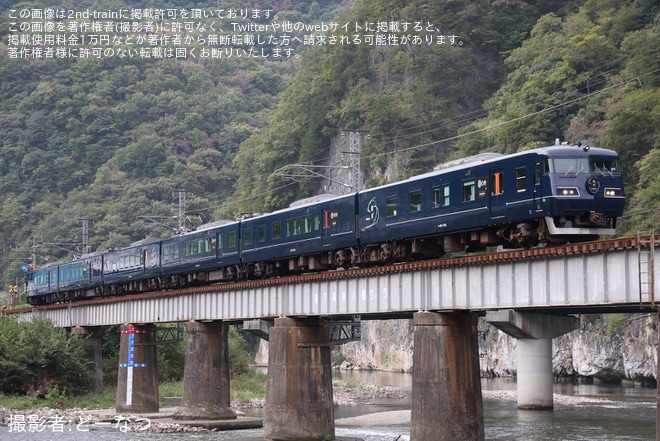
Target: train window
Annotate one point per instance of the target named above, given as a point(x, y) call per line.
point(191, 248)
point(391, 206)
point(317, 222)
point(170, 253)
point(276, 230)
point(604, 166)
point(497, 183)
point(261, 233)
point(521, 174)
point(415, 201)
point(209, 244)
point(299, 225)
point(468, 191)
point(231, 240)
point(546, 165)
point(219, 242)
point(445, 195)
point(435, 191)
point(247, 236)
point(569, 166)
point(537, 173)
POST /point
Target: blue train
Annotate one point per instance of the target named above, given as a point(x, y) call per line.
point(554, 194)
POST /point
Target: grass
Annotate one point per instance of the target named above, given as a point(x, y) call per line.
point(104, 400)
point(248, 386)
point(244, 388)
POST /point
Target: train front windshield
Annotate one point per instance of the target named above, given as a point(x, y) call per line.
point(593, 165)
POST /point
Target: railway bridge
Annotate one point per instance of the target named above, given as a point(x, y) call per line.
point(532, 295)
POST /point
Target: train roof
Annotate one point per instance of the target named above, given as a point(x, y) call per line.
point(210, 226)
point(147, 241)
point(570, 150)
point(314, 200)
point(306, 202)
point(554, 150)
point(458, 163)
point(562, 150)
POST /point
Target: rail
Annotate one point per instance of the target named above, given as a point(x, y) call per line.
point(599, 246)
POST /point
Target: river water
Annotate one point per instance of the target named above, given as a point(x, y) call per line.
point(582, 413)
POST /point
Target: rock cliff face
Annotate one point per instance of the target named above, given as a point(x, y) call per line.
point(608, 348)
point(384, 345)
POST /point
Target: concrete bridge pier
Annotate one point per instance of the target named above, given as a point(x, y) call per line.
point(137, 382)
point(96, 333)
point(299, 402)
point(446, 389)
point(206, 373)
point(534, 352)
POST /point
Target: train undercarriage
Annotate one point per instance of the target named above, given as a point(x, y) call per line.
point(527, 234)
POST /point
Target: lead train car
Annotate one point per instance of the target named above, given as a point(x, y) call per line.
point(549, 195)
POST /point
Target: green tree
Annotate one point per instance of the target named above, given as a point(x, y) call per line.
point(36, 357)
point(645, 205)
point(239, 361)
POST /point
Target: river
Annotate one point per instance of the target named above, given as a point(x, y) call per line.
point(582, 413)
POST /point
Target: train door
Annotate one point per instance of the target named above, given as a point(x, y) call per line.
point(497, 197)
point(329, 219)
point(53, 279)
point(538, 193)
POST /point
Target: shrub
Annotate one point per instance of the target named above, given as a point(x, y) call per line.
point(37, 358)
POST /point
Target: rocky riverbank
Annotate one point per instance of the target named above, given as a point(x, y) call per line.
point(344, 394)
point(614, 348)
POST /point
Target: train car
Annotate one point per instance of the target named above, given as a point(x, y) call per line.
point(581, 193)
point(191, 258)
point(132, 269)
point(65, 281)
point(41, 284)
point(549, 195)
point(301, 237)
point(79, 278)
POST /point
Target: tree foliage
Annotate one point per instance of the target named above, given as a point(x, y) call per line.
point(403, 95)
point(36, 357)
point(590, 76)
point(113, 141)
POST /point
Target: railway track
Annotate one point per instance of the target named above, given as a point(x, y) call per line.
point(598, 246)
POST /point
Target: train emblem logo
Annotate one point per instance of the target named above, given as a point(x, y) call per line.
point(374, 213)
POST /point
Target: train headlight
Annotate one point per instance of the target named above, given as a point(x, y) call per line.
point(567, 191)
point(612, 192)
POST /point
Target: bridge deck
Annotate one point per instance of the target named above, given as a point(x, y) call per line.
point(600, 278)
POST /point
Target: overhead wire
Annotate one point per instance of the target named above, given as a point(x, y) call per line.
point(599, 76)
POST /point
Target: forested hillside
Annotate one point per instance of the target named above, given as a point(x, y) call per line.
point(112, 140)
